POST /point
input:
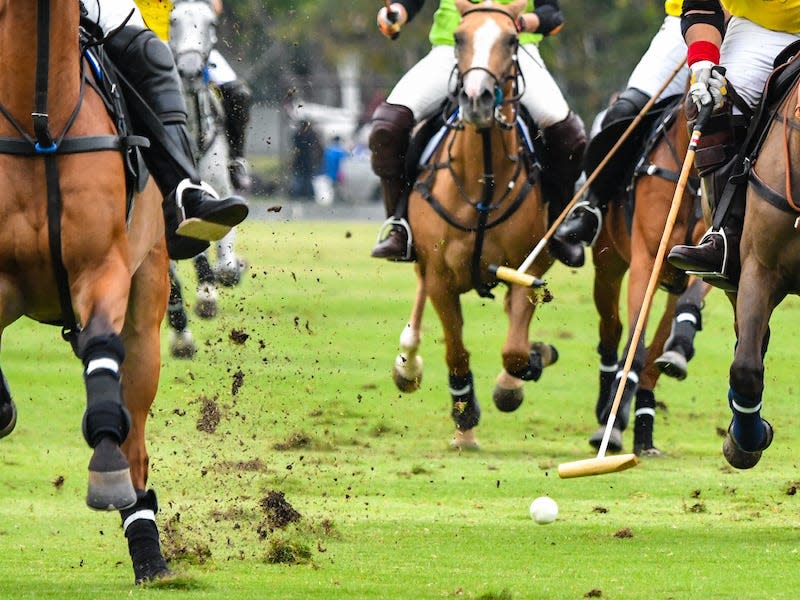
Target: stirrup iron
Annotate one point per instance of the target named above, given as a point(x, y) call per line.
point(387, 226)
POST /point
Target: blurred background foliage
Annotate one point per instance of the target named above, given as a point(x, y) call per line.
point(288, 47)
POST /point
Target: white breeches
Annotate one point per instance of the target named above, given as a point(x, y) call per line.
point(110, 14)
point(666, 50)
point(747, 54)
point(425, 86)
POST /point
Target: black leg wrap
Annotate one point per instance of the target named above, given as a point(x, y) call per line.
point(624, 408)
point(687, 322)
point(533, 370)
point(466, 411)
point(106, 415)
point(143, 541)
point(608, 371)
point(204, 272)
point(236, 101)
point(176, 311)
point(644, 421)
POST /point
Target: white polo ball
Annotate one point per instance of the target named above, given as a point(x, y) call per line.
point(544, 510)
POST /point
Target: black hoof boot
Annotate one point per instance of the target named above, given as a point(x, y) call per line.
point(744, 459)
point(8, 418)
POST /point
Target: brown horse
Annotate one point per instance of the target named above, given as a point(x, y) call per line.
point(70, 254)
point(620, 249)
point(478, 203)
point(770, 270)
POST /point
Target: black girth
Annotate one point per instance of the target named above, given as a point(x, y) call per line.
point(49, 147)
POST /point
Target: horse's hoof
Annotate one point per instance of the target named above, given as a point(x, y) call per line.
point(181, 344)
point(548, 353)
point(8, 418)
point(154, 576)
point(614, 440)
point(742, 459)
point(673, 364)
point(647, 452)
point(465, 440)
point(110, 485)
point(508, 392)
point(230, 275)
point(206, 307)
point(403, 376)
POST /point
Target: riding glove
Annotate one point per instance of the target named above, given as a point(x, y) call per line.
point(708, 84)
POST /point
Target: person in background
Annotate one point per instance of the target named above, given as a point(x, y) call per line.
point(306, 160)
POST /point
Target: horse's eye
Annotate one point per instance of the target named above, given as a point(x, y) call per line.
point(511, 40)
point(459, 39)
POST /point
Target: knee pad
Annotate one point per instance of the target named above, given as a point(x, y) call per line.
point(389, 139)
point(147, 62)
point(627, 105)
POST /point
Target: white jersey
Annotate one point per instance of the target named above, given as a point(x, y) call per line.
point(110, 14)
point(666, 50)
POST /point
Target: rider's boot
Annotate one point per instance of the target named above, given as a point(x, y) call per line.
point(193, 213)
point(565, 143)
point(236, 101)
point(582, 225)
point(389, 139)
point(716, 257)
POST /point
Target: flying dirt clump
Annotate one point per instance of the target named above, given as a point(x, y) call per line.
point(279, 512)
point(210, 415)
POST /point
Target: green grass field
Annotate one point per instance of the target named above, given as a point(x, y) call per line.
point(305, 407)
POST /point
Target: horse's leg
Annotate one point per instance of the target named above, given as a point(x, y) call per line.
point(609, 270)
point(10, 310)
point(407, 371)
point(228, 268)
point(757, 296)
point(141, 372)
point(181, 343)
point(522, 361)
point(679, 347)
point(466, 410)
point(645, 405)
point(206, 307)
point(100, 304)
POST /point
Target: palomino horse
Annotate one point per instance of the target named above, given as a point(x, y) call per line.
point(192, 36)
point(621, 248)
point(70, 255)
point(770, 270)
point(476, 204)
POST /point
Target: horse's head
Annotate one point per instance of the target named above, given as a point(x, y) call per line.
point(486, 48)
point(192, 35)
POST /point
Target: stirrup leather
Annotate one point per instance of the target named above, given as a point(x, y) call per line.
point(387, 226)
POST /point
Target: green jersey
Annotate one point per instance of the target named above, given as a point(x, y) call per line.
point(446, 21)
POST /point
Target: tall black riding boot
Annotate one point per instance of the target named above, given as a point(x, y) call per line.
point(389, 139)
point(236, 100)
point(565, 143)
point(716, 257)
point(193, 213)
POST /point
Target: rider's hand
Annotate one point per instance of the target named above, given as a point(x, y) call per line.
point(390, 21)
point(708, 84)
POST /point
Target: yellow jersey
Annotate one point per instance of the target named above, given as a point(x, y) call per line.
point(777, 15)
point(156, 15)
point(673, 7)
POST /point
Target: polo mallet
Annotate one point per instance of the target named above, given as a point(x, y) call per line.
point(611, 464)
point(391, 16)
point(519, 275)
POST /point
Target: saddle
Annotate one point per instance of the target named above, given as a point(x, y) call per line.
point(104, 80)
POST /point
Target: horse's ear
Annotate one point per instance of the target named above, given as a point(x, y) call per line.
point(517, 7)
point(464, 5)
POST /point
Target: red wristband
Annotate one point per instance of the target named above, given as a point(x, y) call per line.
point(702, 50)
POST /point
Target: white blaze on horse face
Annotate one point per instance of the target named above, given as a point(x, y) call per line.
point(483, 40)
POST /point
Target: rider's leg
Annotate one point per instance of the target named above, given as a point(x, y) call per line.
point(565, 143)
point(718, 251)
point(236, 101)
point(389, 139)
point(584, 221)
point(147, 63)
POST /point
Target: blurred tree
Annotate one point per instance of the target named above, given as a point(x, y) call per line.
point(293, 46)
